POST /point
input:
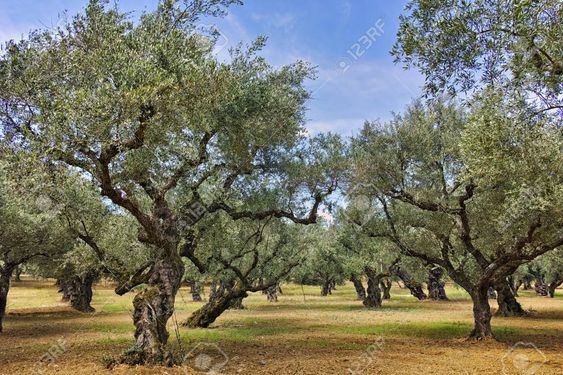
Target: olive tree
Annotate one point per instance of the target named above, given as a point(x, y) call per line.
point(462, 45)
point(27, 229)
point(477, 194)
point(166, 132)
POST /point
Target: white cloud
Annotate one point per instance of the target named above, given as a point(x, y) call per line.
point(284, 21)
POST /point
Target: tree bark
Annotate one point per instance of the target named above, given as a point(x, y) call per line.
point(326, 288)
point(373, 297)
point(195, 289)
point(481, 314)
point(153, 306)
point(360, 290)
point(541, 288)
point(80, 292)
point(436, 286)
point(5, 275)
point(272, 293)
point(209, 312)
point(414, 286)
point(507, 303)
point(386, 287)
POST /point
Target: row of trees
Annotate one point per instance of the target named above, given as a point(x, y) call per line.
point(152, 163)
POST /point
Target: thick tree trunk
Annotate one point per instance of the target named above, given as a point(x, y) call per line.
point(209, 312)
point(326, 288)
point(195, 289)
point(153, 306)
point(552, 286)
point(79, 289)
point(373, 297)
point(507, 303)
point(386, 287)
point(360, 290)
point(541, 288)
point(272, 293)
point(5, 275)
point(414, 286)
point(436, 290)
point(481, 314)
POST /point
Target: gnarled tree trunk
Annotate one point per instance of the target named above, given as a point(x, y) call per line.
point(541, 288)
point(195, 289)
point(209, 312)
point(386, 287)
point(481, 313)
point(414, 286)
point(360, 290)
point(373, 297)
point(326, 288)
point(80, 292)
point(507, 303)
point(436, 290)
point(5, 275)
point(272, 293)
point(153, 306)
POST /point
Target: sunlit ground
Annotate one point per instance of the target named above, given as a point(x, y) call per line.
point(301, 334)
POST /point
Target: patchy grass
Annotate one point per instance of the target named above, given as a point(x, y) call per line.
point(301, 334)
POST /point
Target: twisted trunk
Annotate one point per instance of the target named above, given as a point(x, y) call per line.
point(195, 289)
point(81, 293)
point(360, 290)
point(507, 303)
point(541, 288)
point(436, 286)
point(5, 275)
point(481, 313)
point(153, 307)
point(386, 287)
point(414, 286)
point(373, 297)
point(326, 288)
point(209, 312)
point(271, 293)
point(552, 286)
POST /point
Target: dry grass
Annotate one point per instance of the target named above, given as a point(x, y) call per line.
point(302, 334)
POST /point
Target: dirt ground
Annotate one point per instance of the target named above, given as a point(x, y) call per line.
point(301, 334)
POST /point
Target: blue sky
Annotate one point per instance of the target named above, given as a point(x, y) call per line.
point(348, 41)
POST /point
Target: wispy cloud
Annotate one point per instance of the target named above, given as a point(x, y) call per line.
point(284, 21)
